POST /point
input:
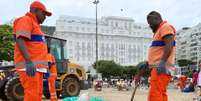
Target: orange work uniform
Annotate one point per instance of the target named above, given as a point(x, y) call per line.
point(28, 27)
point(182, 82)
point(52, 78)
point(159, 83)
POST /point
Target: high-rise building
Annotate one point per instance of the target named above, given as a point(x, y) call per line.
point(189, 43)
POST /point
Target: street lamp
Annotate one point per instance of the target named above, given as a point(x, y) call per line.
point(96, 3)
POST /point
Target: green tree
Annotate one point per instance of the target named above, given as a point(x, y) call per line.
point(129, 71)
point(110, 68)
point(107, 68)
point(116, 70)
point(185, 62)
point(6, 43)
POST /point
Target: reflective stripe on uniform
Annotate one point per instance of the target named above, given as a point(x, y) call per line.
point(40, 38)
point(35, 63)
point(42, 70)
point(53, 74)
point(160, 43)
point(21, 66)
point(53, 95)
point(22, 32)
point(37, 38)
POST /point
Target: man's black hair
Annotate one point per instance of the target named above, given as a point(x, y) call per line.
point(154, 13)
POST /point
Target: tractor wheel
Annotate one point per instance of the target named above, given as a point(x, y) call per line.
point(70, 87)
point(13, 90)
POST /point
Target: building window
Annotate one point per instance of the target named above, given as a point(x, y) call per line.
point(83, 29)
point(116, 24)
point(89, 49)
point(126, 27)
point(130, 25)
point(70, 43)
point(102, 30)
point(88, 29)
point(70, 27)
point(70, 51)
point(77, 28)
point(78, 46)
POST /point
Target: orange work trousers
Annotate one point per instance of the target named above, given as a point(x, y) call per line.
point(52, 89)
point(33, 86)
point(158, 86)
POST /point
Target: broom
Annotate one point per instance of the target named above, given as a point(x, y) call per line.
point(133, 94)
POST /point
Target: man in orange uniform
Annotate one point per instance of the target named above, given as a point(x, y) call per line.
point(30, 54)
point(182, 82)
point(161, 57)
point(52, 78)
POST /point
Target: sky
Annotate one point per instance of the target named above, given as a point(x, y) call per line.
point(179, 13)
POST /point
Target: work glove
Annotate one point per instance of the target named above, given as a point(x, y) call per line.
point(137, 79)
point(161, 67)
point(143, 65)
point(30, 70)
point(142, 68)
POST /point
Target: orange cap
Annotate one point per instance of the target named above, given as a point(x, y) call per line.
point(39, 5)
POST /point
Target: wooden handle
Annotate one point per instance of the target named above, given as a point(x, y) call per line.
point(132, 97)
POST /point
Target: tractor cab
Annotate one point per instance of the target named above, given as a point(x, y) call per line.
point(70, 76)
point(57, 48)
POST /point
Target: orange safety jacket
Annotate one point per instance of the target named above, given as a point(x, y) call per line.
point(52, 68)
point(28, 27)
point(156, 49)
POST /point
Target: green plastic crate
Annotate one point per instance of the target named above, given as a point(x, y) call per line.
point(71, 98)
point(96, 99)
point(76, 98)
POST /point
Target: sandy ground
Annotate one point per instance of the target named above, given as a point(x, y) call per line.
point(112, 94)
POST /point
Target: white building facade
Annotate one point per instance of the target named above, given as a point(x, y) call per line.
point(189, 44)
point(119, 39)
